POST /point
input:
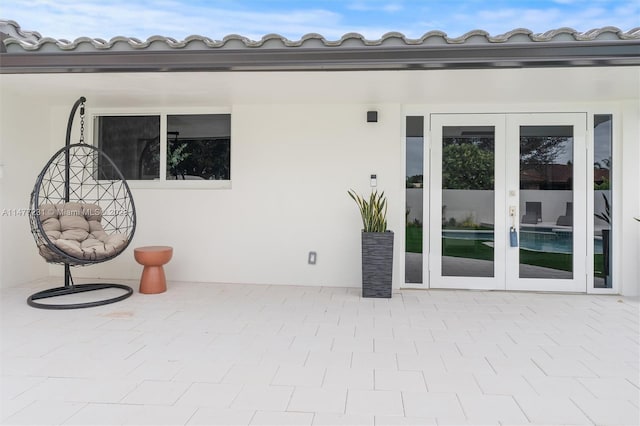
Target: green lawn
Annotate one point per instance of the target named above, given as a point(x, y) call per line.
point(474, 249)
point(414, 239)
point(598, 265)
point(559, 261)
point(468, 249)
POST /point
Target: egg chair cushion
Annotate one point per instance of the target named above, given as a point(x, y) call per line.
point(76, 229)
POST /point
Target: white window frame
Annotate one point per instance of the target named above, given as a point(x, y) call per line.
point(162, 182)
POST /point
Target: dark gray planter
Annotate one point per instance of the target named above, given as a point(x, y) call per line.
point(377, 264)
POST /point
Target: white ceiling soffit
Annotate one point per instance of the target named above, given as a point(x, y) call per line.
point(204, 89)
point(29, 52)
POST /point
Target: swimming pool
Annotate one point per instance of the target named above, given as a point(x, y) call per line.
point(545, 240)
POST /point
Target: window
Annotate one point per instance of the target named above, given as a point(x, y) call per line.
point(199, 147)
point(132, 142)
point(194, 147)
point(414, 199)
point(602, 200)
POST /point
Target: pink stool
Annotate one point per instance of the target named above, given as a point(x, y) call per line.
point(152, 258)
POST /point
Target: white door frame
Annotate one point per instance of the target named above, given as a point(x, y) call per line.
point(579, 123)
point(506, 193)
point(436, 279)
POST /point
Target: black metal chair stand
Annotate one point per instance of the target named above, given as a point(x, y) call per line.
point(70, 288)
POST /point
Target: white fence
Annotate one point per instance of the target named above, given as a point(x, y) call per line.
point(462, 204)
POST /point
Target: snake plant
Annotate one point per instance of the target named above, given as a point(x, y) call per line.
point(606, 214)
point(373, 211)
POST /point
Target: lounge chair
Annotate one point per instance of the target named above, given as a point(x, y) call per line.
point(533, 212)
point(567, 219)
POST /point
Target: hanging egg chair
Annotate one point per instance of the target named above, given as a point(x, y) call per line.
point(81, 213)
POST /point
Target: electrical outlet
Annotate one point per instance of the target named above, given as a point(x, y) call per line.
point(312, 258)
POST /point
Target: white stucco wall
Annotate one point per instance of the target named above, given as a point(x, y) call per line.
point(628, 206)
point(25, 130)
point(415, 204)
point(479, 205)
point(295, 153)
point(291, 168)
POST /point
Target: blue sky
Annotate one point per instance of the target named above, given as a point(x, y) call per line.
point(69, 19)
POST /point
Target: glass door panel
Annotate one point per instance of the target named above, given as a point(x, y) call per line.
point(546, 198)
point(468, 201)
point(548, 206)
point(467, 190)
point(414, 189)
point(603, 203)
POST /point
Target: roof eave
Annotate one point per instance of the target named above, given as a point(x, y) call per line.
point(465, 56)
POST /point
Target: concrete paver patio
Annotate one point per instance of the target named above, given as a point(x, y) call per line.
point(276, 355)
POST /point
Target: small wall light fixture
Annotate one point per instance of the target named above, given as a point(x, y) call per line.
point(372, 116)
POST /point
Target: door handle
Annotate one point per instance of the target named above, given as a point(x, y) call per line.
point(513, 233)
point(513, 237)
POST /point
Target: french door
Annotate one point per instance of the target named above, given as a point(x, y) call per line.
point(508, 202)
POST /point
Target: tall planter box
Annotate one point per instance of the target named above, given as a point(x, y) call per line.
point(377, 264)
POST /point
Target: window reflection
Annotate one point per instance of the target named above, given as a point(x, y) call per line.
point(414, 195)
point(199, 147)
point(602, 200)
point(133, 143)
point(546, 202)
point(468, 200)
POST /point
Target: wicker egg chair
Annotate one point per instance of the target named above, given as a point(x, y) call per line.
point(81, 213)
